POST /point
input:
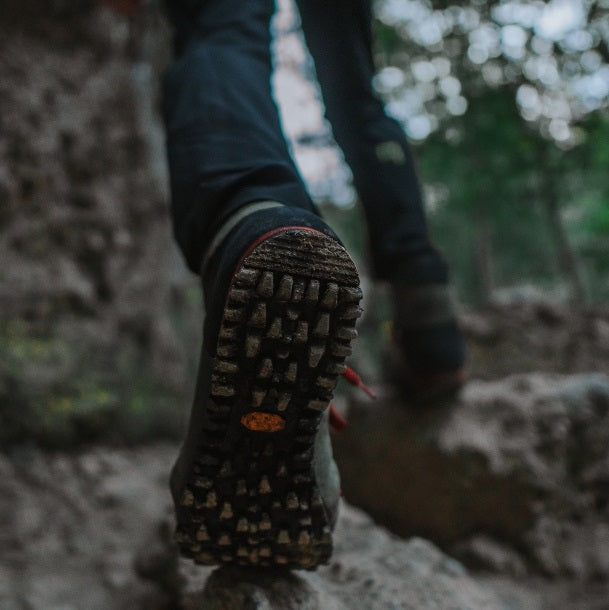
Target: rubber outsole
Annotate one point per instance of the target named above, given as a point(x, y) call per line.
point(251, 496)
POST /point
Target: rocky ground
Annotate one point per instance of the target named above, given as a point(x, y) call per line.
point(89, 530)
point(513, 476)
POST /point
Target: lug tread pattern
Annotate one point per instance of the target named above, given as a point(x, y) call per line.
point(289, 318)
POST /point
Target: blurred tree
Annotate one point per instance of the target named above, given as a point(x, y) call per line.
point(504, 93)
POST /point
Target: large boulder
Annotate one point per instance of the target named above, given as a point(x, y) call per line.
point(513, 476)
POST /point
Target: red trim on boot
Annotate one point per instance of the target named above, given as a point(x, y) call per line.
point(269, 234)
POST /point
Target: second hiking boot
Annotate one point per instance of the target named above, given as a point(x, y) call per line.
point(431, 344)
point(431, 367)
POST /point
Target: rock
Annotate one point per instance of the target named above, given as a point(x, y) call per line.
point(87, 547)
point(488, 554)
point(62, 546)
point(535, 335)
point(523, 462)
point(237, 589)
point(158, 559)
point(370, 569)
point(88, 261)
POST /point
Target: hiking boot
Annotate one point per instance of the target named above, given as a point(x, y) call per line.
point(255, 483)
point(431, 344)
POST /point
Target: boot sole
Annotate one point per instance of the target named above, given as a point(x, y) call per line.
point(251, 497)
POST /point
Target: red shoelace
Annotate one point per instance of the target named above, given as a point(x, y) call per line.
point(337, 421)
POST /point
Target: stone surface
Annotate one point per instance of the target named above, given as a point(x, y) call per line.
point(522, 462)
point(370, 569)
point(83, 221)
point(535, 333)
point(69, 528)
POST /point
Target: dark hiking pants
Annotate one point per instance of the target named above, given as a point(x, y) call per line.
point(225, 143)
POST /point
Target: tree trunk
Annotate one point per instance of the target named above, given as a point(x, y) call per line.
point(483, 250)
point(567, 258)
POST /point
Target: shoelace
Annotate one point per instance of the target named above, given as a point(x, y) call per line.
point(337, 421)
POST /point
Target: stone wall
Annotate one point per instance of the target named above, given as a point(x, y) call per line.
point(93, 295)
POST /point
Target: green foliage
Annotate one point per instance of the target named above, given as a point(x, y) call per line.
point(53, 395)
point(514, 144)
point(486, 168)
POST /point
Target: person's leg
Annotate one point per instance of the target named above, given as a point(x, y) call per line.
point(338, 34)
point(255, 483)
point(224, 140)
